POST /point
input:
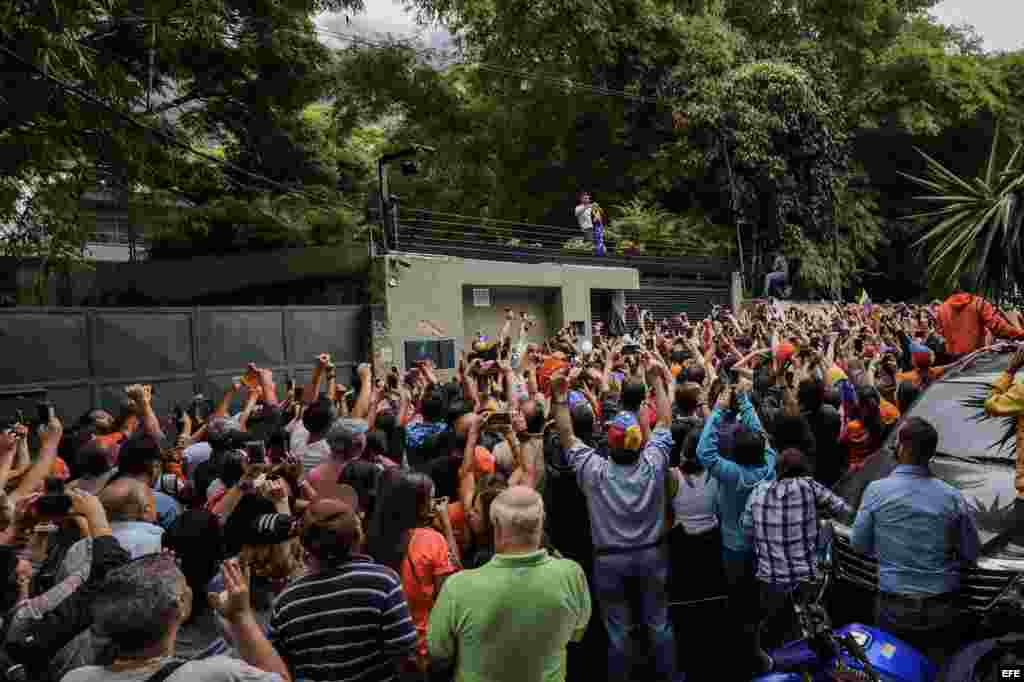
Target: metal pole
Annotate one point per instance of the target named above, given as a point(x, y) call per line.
point(382, 202)
point(393, 208)
point(734, 209)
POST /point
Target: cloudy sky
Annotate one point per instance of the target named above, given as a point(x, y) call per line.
point(998, 21)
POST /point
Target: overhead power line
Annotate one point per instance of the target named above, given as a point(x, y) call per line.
point(166, 137)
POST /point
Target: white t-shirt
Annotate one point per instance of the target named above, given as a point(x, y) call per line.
point(694, 503)
point(298, 436)
point(585, 216)
point(214, 669)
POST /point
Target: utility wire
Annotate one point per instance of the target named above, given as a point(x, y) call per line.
point(167, 138)
point(429, 53)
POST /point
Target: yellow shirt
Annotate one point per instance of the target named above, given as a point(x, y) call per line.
point(1007, 400)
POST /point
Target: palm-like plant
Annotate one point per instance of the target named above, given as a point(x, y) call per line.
point(976, 226)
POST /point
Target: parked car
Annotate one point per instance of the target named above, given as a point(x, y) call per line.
point(969, 459)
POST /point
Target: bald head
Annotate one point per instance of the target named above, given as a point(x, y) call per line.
point(128, 499)
point(517, 515)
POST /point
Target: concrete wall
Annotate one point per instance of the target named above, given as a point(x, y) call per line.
point(545, 305)
point(426, 299)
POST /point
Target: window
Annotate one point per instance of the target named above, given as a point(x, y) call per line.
point(440, 351)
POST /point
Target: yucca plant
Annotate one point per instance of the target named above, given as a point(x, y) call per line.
point(976, 225)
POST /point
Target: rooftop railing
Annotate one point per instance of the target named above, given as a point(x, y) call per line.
point(438, 232)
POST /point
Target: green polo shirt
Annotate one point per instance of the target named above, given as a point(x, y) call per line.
point(511, 618)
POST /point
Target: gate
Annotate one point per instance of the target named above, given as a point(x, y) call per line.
point(81, 358)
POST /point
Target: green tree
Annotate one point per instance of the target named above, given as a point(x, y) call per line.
point(238, 76)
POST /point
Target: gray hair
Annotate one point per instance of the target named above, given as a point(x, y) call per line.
point(139, 603)
point(519, 511)
point(344, 433)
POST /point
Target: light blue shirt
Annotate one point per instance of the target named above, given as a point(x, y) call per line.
point(735, 482)
point(919, 528)
point(626, 502)
point(167, 509)
point(138, 538)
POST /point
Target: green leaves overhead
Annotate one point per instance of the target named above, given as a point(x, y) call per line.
point(227, 74)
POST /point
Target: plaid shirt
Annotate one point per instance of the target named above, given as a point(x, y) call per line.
point(781, 517)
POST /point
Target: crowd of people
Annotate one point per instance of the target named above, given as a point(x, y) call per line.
point(415, 526)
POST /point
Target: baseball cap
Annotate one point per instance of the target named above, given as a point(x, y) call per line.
point(624, 432)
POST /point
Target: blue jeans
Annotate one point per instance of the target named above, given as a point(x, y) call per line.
point(642, 575)
point(934, 627)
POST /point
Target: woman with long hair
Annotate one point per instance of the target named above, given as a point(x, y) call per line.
point(867, 418)
point(480, 546)
point(401, 536)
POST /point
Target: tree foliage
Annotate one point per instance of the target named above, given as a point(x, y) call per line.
point(685, 117)
point(976, 224)
point(233, 75)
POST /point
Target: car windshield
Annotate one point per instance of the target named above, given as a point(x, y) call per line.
point(968, 455)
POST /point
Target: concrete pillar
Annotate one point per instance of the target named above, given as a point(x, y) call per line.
point(380, 351)
point(736, 293)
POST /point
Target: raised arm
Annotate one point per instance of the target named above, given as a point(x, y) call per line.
point(49, 437)
point(362, 406)
point(142, 399)
point(560, 408)
point(312, 390)
point(995, 323)
point(707, 449)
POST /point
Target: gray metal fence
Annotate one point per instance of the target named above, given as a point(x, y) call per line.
point(84, 357)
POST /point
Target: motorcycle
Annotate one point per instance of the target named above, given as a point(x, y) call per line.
point(852, 653)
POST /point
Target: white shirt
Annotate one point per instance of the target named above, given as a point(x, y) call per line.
point(694, 503)
point(138, 538)
point(298, 436)
point(585, 216)
point(313, 455)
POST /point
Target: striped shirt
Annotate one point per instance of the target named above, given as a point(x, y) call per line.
point(782, 518)
point(347, 623)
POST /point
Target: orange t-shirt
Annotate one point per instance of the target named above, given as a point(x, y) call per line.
point(112, 444)
point(914, 376)
point(60, 469)
point(426, 559)
point(460, 528)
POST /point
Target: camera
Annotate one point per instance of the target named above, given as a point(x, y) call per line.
point(55, 502)
point(256, 451)
point(169, 485)
point(498, 420)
